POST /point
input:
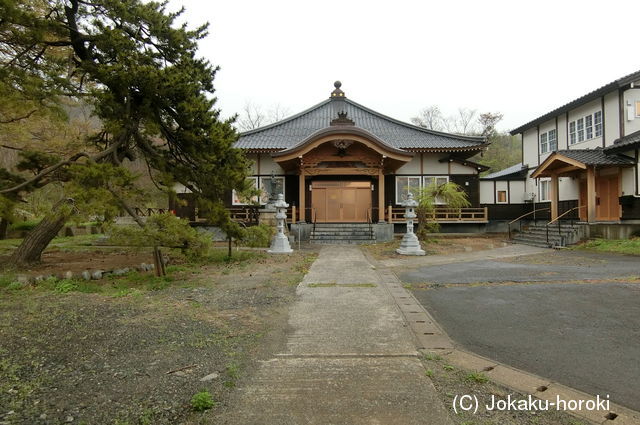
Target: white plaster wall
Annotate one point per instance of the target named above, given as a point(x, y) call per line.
point(631, 122)
point(411, 167)
point(530, 147)
point(562, 132)
point(569, 189)
point(462, 169)
point(581, 111)
point(432, 165)
point(179, 188)
point(253, 158)
point(517, 195)
point(611, 118)
point(486, 191)
point(628, 181)
point(268, 165)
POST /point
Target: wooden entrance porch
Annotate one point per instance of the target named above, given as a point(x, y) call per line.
point(599, 177)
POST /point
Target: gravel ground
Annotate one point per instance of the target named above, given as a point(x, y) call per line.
point(138, 359)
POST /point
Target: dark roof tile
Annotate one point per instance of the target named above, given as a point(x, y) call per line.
point(293, 130)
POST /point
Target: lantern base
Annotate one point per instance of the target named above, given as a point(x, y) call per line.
point(410, 245)
point(280, 245)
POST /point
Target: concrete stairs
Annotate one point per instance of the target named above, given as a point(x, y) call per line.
point(536, 235)
point(342, 233)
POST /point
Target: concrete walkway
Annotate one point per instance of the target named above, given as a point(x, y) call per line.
point(350, 357)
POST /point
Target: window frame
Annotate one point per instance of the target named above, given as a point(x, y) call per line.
point(264, 195)
point(544, 142)
point(435, 180)
point(587, 127)
point(552, 147)
point(547, 183)
point(235, 200)
point(637, 108)
point(398, 200)
point(506, 196)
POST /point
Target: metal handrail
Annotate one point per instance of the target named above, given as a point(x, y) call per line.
point(557, 219)
point(519, 219)
point(369, 213)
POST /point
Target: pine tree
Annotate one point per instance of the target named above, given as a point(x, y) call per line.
point(142, 77)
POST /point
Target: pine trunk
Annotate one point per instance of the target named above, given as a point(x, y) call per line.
point(32, 246)
point(4, 228)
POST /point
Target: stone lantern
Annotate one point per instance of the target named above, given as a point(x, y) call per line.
point(410, 244)
point(280, 243)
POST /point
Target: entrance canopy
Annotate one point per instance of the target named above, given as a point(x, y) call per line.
point(567, 162)
point(342, 150)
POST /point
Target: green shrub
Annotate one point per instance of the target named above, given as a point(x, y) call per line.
point(163, 230)
point(13, 286)
point(202, 401)
point(258, 236)
point(24, 225)
point(65, 285)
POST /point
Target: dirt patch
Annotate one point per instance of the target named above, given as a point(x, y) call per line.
point(138, 359)
point(58, 262)
point(441, 245)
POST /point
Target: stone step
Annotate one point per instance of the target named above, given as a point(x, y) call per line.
point(342, 233)
point(531, 243)
point(342, 242)
point(542, 238)
point(342, 237)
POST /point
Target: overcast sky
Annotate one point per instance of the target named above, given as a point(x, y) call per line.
point(519, 58)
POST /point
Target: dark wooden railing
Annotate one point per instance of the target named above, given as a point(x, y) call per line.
point(444, 215)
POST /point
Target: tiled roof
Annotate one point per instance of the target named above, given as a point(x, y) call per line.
point(293, 130)
point(620, 82)
point(624, 143)
point(596, 157)
point(514, 172)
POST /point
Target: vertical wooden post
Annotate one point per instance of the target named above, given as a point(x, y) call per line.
point(293, 214)
point(591, 194)
point(553, 195)
point(302, 202)
point(380, 196)
point(390, 214)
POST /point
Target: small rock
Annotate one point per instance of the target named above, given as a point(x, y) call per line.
point(86, 275)
point(97, 274)
point(38, 278)
point(143, 267)
point(126, 270)
point(68, 274)
point(209, 377)
point(43, 416)
point(179, 373)
point(22, 278)
point(69, 419)
point(151, 266)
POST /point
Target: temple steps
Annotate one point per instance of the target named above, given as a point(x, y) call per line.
point(342, 233)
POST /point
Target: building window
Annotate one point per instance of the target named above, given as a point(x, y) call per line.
point(544, 190)
point(553, 140)
point(404, 185)
point(438, 181)
point(548, 141)
point(501, 196)
point(572, 132)
point(544, 145)
point(597, 119)
point(585, 128)
point(236, 199)
point(265, 188)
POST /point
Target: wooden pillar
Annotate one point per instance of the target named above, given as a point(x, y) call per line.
point(591, 194)
point(553, 195)
point(302, 203)
point(380, 196)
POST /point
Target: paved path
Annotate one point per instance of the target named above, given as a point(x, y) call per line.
point(350, 357)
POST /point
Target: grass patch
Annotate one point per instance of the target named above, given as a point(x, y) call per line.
point(432, 356)
point(202, 401)
point(477, 377)
point(619, 246)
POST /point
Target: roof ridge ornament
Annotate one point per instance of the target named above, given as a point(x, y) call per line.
point(337, 92)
